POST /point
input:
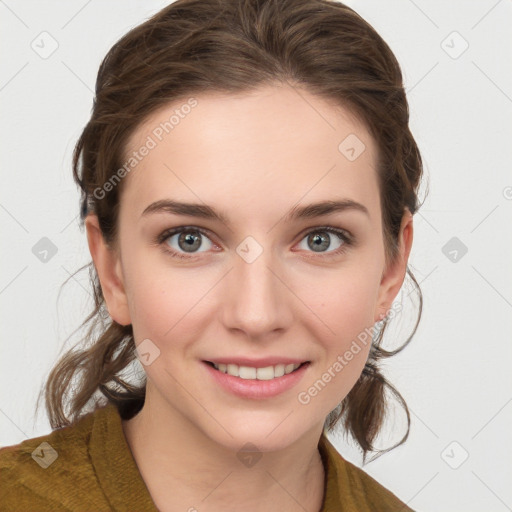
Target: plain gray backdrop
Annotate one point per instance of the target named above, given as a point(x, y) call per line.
point(455, 375)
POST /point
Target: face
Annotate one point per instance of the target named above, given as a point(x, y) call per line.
point(262, 282)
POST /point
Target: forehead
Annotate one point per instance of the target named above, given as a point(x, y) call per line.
point(274, 145)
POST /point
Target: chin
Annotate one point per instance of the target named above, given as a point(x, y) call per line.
point(265, 434)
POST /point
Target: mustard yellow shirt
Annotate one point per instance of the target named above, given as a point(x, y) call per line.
point(89, 467)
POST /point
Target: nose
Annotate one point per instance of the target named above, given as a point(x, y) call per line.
point(257, 299)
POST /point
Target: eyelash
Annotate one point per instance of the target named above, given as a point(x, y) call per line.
point(347, 239)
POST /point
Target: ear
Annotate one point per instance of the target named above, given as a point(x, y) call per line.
point(108, 266)
point(393, 276)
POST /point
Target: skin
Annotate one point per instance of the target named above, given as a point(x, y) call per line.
point(252, 156)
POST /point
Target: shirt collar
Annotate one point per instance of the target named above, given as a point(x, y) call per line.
point(117, 471)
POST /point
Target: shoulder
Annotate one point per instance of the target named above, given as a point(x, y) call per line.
point(50, 472)
point(350, 487)
point(377, 496)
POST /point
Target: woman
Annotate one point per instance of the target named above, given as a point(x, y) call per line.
point(248, 183)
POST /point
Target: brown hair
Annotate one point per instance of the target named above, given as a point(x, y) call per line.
point(231, 46)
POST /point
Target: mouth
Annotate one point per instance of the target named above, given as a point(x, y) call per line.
point(252, 373)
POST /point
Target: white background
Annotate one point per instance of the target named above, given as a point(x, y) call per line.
point(455, 375)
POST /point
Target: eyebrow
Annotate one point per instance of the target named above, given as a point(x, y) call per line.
point(204, 211)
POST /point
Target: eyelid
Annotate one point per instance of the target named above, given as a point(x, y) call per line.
point(330, 229)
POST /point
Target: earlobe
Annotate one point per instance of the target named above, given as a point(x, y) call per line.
point(393, 277)
point(108, 267)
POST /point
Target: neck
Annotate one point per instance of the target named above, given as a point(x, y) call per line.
point(184, 469)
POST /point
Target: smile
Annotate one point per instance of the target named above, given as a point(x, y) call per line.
point(251, 373)
point(256, 383)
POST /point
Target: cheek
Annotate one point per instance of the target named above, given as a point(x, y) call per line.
point(168, 306)
point(161, 303)
point(345, 305)
point(344, 302)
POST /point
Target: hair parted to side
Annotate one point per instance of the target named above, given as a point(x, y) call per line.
point(234, 46)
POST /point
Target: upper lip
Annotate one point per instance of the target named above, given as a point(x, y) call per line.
point(256, 363)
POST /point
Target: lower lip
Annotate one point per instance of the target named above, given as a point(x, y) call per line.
point(254, 388)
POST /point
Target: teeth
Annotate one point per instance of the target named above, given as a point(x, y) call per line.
point(248, 372)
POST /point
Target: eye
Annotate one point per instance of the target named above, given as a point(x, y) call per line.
point(186, 239)
point(184, 242)
point(321, 238)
